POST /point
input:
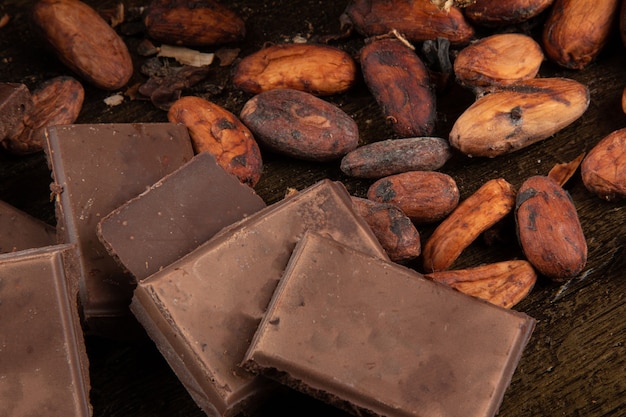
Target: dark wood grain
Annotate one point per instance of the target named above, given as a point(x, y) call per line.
point(575, 363)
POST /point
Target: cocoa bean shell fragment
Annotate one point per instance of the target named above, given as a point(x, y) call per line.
point(400, 84)
point(300, 125)
point(549, 230)
point(394, 156)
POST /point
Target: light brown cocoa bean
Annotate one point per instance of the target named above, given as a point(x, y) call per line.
point(84, 42)
point(577, 30)
point(500, 59)
point(417, 20)
point(604, 168)
point(424, 196)
point(317, 69)
point(394, 156)
point(394, 230)
point(477, 213)
point(300, 125)
point(519, 115)
point(216, 130)
point(399, 81)
point(193, 23)
point(502, 283)
point(549, 230)
point(57, 101)
point(499, 13)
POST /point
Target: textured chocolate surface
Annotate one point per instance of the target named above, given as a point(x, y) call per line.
point(15, 103)
point(96, 168)
point(203, 310)
point(22, 231)
point(378, 338)
point(44, 369)
point(176, 215)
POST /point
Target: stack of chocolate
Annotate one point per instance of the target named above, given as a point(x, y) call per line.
point(239, 297)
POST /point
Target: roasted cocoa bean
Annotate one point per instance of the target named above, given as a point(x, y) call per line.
point(399, 81)
point(500, 13)
point(216, 130)
point(604, 168)
point(424, 196)
point(300, 125)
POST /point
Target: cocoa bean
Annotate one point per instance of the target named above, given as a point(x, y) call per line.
point(394, 156)
point(84, 42)
point(502, 283)
point(519, 115)
point(193, 23)
point(577, 30)
point(57, 101)
point(477, 213)
point(300, 125)
point(604, 168)
point(317, 69)
point(549, 230)
point(214, 129)
point(399, 81)
point(501, 59)
point(417, 20)
point(499, 13)
point(392, 227)
point(424, 196)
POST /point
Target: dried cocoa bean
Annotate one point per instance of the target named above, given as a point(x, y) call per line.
point(57, 101)
point(216, 130)
point(502, 283)
point(16, 102)
point(424, 196)
point(500, 13)
point(317, 69)
point(84, 42)
point(519, 115)
point(549, 230)
point(300, 125)
point(417, 20)
point(193, 23)
point(604, 168)
point(399, 81)
point(394, 230)
point(501, 59)
point(477, 213)
point(395, 156)
point(577, 30)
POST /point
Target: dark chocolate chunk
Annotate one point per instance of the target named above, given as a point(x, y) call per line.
point(20, 230)
point(44, 370)
point(176, 215)
point(203, 309)
point(96, 168)
point(15, 102)
point(377, 338)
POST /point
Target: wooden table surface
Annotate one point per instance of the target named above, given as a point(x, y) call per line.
point(575, 363)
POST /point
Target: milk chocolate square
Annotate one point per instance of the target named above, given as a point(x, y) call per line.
point(377, 338)
point(20, 230)
point(176, 215)
point(203, 309)
point(44, 370)
point(95, 169)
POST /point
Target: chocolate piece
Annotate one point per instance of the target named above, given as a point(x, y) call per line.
point(15, 102)
point(176, 215)
point(44, 370)
point(377, 338)
point(96, 168)
point(22, 231)
point(203, 309)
